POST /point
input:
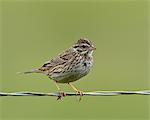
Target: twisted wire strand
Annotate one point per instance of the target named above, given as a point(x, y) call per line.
point(95, 93)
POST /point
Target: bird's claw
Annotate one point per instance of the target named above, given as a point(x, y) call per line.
point(80, 93)
point(61, 95)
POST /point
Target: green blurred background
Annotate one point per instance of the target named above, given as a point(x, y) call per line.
point(35, 31)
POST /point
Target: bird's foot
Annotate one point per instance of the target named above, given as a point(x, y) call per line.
point(61, 95)
point(80, 93)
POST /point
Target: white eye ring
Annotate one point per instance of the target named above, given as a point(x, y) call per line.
point(83, 46)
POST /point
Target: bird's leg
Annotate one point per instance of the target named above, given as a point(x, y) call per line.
point(61, 93)
point(77, 91)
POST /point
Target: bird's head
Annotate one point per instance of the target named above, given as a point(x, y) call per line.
point(84, 46)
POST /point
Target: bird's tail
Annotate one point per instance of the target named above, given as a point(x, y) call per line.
point(30, 71)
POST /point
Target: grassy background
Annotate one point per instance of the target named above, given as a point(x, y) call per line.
point(35, 31)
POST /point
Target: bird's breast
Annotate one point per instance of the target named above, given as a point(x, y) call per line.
point(84, 66)
point(75, 71)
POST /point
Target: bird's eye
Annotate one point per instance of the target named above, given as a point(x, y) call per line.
point(83, 46)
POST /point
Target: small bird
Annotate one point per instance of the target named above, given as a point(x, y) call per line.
point(70, 65)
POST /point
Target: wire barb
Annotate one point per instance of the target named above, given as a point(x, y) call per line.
point(95, 93)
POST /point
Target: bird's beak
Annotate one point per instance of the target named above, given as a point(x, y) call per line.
point(93, 48)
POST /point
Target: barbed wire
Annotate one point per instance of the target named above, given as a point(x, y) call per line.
point(95, 93)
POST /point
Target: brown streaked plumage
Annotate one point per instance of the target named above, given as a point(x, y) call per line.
point(70, 65)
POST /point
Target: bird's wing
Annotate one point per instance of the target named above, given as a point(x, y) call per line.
point(61, 59)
